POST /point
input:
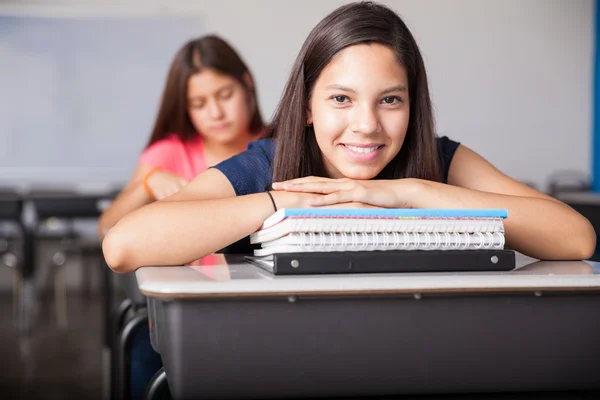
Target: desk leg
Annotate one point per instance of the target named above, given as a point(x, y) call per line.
point(107, 353)
point(27, 290)
point(107, 304)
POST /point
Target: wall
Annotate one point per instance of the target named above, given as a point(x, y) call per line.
point(511, 78)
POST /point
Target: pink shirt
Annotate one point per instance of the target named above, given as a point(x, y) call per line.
point(185, 159)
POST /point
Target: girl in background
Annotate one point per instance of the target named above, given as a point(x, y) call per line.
point(208, 113)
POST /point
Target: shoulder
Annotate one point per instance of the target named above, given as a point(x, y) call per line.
point(264, 146)
point(446, 146)
point(162, 146)
point(250, 171)
point(262, 150)
point(446, 150)
point(163, 151)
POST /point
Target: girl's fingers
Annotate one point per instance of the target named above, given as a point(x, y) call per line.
point(322, 187)
point(338, 197)
point(280, 185)
point(307, 179)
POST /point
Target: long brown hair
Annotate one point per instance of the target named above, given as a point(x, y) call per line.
point(197, 54)
point(297, 153)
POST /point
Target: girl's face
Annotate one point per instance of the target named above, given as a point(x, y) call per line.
point(359, 108)
point(218, 106)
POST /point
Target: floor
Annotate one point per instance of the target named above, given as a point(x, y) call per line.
point(53, 363)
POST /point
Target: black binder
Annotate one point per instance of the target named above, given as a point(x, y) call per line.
point(360, 262)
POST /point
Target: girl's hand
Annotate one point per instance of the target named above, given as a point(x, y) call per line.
point(289, 199)
point(163, 184)
point(399, 193)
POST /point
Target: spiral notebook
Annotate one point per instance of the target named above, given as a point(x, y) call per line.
point(328, 230)
point(329, 242)
point(319, 240)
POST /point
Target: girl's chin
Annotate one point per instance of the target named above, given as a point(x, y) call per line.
point(360, 173)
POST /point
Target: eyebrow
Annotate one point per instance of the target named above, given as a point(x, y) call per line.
point(398, 88)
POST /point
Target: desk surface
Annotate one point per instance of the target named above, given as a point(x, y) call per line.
point(214, 276)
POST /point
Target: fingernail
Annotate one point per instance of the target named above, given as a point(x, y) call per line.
point(313, 202)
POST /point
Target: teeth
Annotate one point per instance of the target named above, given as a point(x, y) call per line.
point(362, 149)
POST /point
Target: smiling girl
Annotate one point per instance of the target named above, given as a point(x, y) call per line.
point(354, 128)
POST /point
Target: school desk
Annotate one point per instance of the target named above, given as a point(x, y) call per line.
point(229, 330)
point(63, 204)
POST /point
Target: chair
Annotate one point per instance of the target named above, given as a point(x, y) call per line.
point(129, 316)
point(158, 388)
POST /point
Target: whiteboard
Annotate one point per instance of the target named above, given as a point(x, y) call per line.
point(78, 96)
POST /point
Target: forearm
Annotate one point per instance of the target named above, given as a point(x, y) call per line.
point(129, 200)
point(537, 227)
point(179, 232)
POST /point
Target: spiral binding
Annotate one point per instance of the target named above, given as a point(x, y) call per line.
point(398, 240)
point(393, 226)
point(419, 225)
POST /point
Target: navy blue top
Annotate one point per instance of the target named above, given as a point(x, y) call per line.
point(251, 171)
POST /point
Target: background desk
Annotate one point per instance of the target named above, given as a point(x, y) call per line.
point(234, 331)
point(67, 205)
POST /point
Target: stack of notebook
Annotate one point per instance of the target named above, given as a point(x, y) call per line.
point(320, 240)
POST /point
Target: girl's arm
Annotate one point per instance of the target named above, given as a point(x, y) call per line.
point(537, 225)
point(131, 197)
point(204, 217)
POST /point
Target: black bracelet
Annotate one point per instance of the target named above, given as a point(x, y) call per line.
point(272, 200)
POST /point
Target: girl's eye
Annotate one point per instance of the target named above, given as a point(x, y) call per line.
point(340, 99)
point(197, 106)
point(227, 94)
point(391, 100)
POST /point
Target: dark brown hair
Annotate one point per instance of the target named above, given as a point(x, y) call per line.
point(197, 54)
point(297, 153)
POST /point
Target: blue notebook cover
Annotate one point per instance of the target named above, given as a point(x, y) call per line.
point(283, 213)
